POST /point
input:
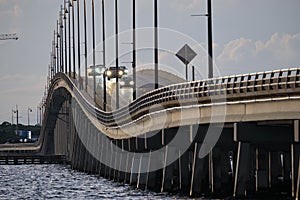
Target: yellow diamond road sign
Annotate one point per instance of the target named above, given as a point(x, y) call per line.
point(186, 54)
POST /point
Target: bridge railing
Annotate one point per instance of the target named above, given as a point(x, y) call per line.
point(229, 88)
point(251, 86)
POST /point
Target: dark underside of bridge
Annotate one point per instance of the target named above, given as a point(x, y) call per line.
point(250, 159)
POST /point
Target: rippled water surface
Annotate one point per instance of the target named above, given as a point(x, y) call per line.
point(61, 182)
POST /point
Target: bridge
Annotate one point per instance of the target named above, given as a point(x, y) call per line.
point(229, 136)
point(234, 136)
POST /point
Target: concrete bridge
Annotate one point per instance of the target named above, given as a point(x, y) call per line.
point(230, 136)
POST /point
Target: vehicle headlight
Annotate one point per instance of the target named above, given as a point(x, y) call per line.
point(131, 82)
point(121, 73)
point(108, 73)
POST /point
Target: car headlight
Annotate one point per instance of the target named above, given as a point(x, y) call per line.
point(131, 82)
point(121, 73)
point(108, 73)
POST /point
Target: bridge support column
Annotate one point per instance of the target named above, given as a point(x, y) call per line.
point(168, 168)
point(122, 167)
point(184, 171)
point(134, 169)
point(295, 151)
point(85, 155)
point(200, 173)
point(107, 157)
point(261, 169)
point(143, 172)
point(112, 160)
point(102, 156)
point(128, 167)
point(155, 175)
point(242, 171)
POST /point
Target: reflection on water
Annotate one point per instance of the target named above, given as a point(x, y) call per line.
point(61, 182)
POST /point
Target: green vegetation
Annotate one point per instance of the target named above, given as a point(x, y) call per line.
point(8, 132)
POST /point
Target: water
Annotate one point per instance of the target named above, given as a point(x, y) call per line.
point(61, 182)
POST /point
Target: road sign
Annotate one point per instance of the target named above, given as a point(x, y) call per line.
point(186, 54)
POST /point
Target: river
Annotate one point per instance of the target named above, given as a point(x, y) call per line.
point(61, 182)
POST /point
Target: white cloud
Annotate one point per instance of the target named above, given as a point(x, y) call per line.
point(245, 54)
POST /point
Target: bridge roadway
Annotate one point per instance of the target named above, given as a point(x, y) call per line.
point(229, 136)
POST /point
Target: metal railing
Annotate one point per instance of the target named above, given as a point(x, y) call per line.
point(223, 89)
point(229, 88)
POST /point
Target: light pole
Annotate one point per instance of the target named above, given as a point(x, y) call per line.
point(117, 53)
point(66, 47)
point(94, 50)
point(85, 47)
point(54, 54)
point(78, 45)
point(210, 42)
point(74, 47)
point(28, 111)
point(134, 50)
point(70, 55)
point(17, 113)
point(155, 44)
point(57, 48)
point(104, 61)
point(61, 39)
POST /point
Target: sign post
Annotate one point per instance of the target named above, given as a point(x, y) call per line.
point(186, 54)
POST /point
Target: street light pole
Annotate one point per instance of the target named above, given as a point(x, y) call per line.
point(210, 45)
point(85, 47)
point(74, 47)
point(78, 29)
point(134, 49)
point(66, 47)
point(29, 110)
point(155, 44)
point(94, 50)
point(61, 39)
point(117, 54)
point(53, 53)
point(57, 48)
point(210, 40)
point(104, 61)
point(70, 55)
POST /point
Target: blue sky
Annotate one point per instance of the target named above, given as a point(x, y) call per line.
point(248, 36)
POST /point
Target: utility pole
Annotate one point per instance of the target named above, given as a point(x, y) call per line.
point(117, 53)
point(155, 45)
point(78, 45)
point(104, 61)
point(29, 110)
point(134, 50)
point(210, 42)
point(85, 47)
point(74, 50)
point(17, 113)
point(94, 49)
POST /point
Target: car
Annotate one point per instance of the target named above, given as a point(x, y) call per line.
point(111, 72)
point(126, 81)
point(98, 70)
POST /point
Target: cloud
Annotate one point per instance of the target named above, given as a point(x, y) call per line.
point(10, 8)
point(246, 54)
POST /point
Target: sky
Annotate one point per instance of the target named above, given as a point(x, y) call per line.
point(248, 36)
